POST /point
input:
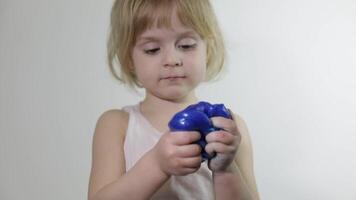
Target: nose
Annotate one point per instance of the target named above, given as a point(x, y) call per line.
point(172, 58)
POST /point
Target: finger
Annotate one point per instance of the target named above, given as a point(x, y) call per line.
point(233, 117)
point(218, 147)
point(190, 150)
point(192, 162)
point(221, 136)
point(228, 125)
point(185, 137)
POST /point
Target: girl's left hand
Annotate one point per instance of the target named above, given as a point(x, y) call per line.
point(224, 142)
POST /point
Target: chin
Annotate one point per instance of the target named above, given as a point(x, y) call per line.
point(174, 95)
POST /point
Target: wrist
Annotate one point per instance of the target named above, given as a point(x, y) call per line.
point(231, 169)
point(156, 166)
point(227, 177)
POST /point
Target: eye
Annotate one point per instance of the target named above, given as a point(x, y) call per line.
point(187, 44)
point(151, 51)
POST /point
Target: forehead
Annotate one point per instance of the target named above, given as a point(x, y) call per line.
point(165, 15)
point(176, 28)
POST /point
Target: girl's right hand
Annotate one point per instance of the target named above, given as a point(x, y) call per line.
point(177, 154)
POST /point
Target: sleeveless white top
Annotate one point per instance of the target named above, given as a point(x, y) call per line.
point(141, 136)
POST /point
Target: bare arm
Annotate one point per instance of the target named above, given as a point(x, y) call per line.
point(174, 154)
point(108, 178)
point(238, 181)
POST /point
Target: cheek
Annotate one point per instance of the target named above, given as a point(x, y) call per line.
point(200, 62)
point(141, 67)
point(144, 76)
point(202, 72)
point(197, 69)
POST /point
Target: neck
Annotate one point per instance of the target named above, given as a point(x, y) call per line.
point(151, 104)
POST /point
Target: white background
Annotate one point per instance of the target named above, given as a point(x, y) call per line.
point(290, 75)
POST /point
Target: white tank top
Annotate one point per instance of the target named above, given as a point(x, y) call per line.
point(141, 136)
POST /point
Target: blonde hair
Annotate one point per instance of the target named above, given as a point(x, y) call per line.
point(130, 18)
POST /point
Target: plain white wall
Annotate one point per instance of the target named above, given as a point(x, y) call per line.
point(290, 75)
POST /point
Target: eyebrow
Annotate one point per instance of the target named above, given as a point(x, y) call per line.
point(143, 39)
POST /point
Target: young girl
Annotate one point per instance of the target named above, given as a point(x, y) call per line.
point(167, 47)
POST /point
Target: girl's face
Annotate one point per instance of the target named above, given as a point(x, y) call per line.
point(170, 63)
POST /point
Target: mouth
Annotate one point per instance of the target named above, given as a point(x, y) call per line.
point(173, 78)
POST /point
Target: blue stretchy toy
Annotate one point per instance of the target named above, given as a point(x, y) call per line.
point(196, 117)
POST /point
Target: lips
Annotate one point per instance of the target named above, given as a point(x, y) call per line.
point(173, 77)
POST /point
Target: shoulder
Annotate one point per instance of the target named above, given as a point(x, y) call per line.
point(112, 123)
point(245, 147)
point(113, 115)
point(241, 124)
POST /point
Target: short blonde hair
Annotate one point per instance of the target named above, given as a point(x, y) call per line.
point(130, 18)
